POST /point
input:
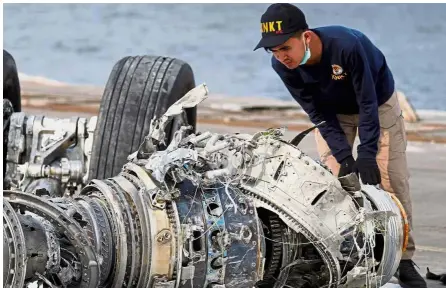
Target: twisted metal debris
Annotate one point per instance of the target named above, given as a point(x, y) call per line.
point(210, 210)
point(57, 153)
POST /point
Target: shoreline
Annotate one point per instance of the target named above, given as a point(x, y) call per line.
point(424, 159)
point(40, 93)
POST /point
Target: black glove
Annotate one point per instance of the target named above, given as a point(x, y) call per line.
point(368, 170)
point(347, 166)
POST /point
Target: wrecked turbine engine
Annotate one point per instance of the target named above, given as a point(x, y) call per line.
point(210, 210)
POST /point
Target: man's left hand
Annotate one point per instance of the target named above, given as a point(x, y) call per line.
point(368, 170)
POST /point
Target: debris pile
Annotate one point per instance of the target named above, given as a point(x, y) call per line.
point(208, 210)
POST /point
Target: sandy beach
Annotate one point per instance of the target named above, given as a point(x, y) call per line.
point(426, 149)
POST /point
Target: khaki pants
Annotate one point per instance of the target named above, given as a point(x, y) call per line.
point(391, 155)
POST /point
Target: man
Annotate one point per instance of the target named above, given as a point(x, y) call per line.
point(337, 75)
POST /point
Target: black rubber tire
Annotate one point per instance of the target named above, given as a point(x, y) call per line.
point(138, 88)
point(11, 91)
point(11, 83)
point(8, 110)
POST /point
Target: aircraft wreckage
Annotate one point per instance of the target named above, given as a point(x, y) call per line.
point(187, 209)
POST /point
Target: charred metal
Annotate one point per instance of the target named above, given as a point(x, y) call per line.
point(188, 210)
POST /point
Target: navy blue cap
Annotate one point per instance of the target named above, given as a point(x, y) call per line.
point(279, 22)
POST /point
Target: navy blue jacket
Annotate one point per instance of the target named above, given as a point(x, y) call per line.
point(351, 78)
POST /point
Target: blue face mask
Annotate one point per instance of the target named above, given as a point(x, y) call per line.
point(307, 54)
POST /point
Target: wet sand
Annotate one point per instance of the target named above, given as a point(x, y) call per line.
point(426, 151)
point(427, 168)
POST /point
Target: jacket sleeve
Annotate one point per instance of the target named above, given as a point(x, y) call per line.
point(331, 131)
point(364, 86)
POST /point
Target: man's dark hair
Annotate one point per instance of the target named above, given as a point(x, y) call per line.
point(297, 35)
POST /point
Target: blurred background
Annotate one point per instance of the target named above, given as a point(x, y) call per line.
point(80, 43)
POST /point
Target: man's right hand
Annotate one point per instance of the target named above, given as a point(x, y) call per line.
point(346, 166)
